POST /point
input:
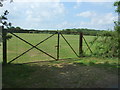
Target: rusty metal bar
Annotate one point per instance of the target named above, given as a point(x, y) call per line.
point(4, 40)
point(92, 43)
point(58, 45)
point(80, 44)
point(87, 45)
point(31, 48)
point(69, 45)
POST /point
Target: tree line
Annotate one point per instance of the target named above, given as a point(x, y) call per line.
point(74, 31)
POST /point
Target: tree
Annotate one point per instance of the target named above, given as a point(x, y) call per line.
point(109, 45)
point(117, 25)
point(1, 2)
point(3, 20)
point(18, 28)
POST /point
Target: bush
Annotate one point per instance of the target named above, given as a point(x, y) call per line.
point(108, 45)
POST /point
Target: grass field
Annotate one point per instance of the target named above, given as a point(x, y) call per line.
point(16, 47)
point(84, 72)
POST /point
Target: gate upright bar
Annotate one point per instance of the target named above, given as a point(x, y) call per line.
point(4, 40)
point(58, 46)
point(80, 44)
point(69, 45)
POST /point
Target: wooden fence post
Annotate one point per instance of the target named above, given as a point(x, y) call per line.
point(80, 44)
point(4, 40)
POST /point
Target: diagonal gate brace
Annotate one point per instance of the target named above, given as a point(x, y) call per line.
point(32, 47)
point(69, 45)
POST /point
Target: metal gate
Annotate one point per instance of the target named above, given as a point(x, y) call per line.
point(59, 34)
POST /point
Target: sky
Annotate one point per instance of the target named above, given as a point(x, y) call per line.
point(59, 14)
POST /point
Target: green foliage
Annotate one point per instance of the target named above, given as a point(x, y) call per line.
point(117, 3)
point(84, 30)
point(9, 37)
point(4, 19)
point(109, 45)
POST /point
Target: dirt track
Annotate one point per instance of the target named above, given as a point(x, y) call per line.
point(76, 76)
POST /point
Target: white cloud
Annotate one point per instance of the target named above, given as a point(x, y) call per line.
point(77, 4)
point(48, 15)
point(64, 0)
point(87, 14)
point(45, 12)
point(104, 19)
point(96, 1)
point(32, 14)
point(36, 0)
point(101, 21)
point(66, 25)
point(98, 21)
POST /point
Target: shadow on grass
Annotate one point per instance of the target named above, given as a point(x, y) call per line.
point(58, 74)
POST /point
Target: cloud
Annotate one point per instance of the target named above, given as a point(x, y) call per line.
point(98, 2)
point(52, 15)
point(32, 14)
point(45, 11)
point(64, 0)
point(86, 14)
point(101, 21)
point(65, 25)
point(97, 21)
point(95, 1)
point(36, 0)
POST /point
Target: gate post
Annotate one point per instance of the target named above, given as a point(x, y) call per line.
point(58, 45)
point(4, 40)
point(80, 44)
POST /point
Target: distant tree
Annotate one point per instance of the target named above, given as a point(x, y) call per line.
point(18, 28)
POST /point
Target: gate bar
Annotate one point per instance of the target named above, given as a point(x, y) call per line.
point(4, 40)
point(87, 45)
point(93, 42)
point(58, 46)
point(69, 44)
point(80, 44)
point(31, 48)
